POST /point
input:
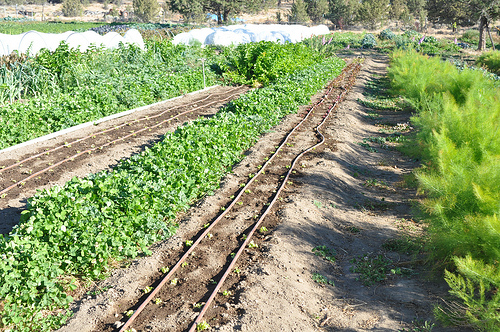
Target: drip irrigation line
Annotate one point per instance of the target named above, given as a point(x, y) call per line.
point(257, 224)
point(107, 130)
point(207, 230)
point(5, 190)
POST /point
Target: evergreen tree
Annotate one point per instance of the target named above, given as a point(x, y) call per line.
point(373, 12)
point(343, 12)
point(146, 10)
point(317, 10)
point(72, 8)
point(191, 10)
point(298, 13)
point(399, 11)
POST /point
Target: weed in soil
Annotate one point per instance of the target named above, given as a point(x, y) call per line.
point(372, 269)
point(321, 279)
point(325, 252)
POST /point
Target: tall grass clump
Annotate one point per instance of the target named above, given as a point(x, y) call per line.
point(459, 120)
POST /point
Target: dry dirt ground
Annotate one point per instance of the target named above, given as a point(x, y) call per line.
point(348, 199)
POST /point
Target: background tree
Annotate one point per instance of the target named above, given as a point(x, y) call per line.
point(191, 10)
point(466, 13)
point(146, 10)
point(298, 12)
point(343, 12)
point(399, 11)
point(224, 10)
point(72, 8)
point(373, 12)
point(418, 11)
point(317, 10)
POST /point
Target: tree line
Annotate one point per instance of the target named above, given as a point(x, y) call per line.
point(416, 14)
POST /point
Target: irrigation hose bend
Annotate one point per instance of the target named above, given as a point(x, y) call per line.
point(257, 224)
point(208, 229)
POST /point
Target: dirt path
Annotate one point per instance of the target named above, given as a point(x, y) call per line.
point(352, 201)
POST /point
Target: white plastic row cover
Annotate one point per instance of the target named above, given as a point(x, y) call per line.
point(34, 41)
point(239, 34)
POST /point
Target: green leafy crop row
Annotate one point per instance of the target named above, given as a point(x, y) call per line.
point(459, 121)
point(64, 88)
point(76, 231)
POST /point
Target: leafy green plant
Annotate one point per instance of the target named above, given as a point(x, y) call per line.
point(202, 326)
point(387, 34)
point(369, 41)
point(325, 252)
point(372, 269)
point(321, 279)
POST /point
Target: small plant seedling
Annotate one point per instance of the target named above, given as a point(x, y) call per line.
point(147, 289)
point(242, 185)
point(202, 326)
point(237, 270)
point(227, 293)
point(248, 191)
point(240, 203)
point(353, 229)
point(165, 269)
point(213, 282)
point(318, 204)
point(210, 235)
point(198, 305)
point(206, 225)
point(158, 301)
point(184, 264)
point(174, 281)
point(263, 230)
point(129, 313)
point(232, 254)
point(325, 252)
point(244, 237)
point(252, 245)
point(231, 197)
point(222, 208)
point(321, 279)
point(189, 243)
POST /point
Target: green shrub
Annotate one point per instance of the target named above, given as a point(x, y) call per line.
point(458, 120)
point(368, 41)
point(490, 60)
point(265, 61)
point(387, 34)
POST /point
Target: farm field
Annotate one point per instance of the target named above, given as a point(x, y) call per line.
point(321, 200)
point(330, 203)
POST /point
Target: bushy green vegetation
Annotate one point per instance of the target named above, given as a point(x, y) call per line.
point(75, 232)
point(491, 61)
point(63, 88)
point(263, 62)
point(458, 120)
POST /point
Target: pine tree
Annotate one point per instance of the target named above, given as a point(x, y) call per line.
point(146, 10)
point(317, 10)
point(373, 12)
point(298, 12)
point(72, 8)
